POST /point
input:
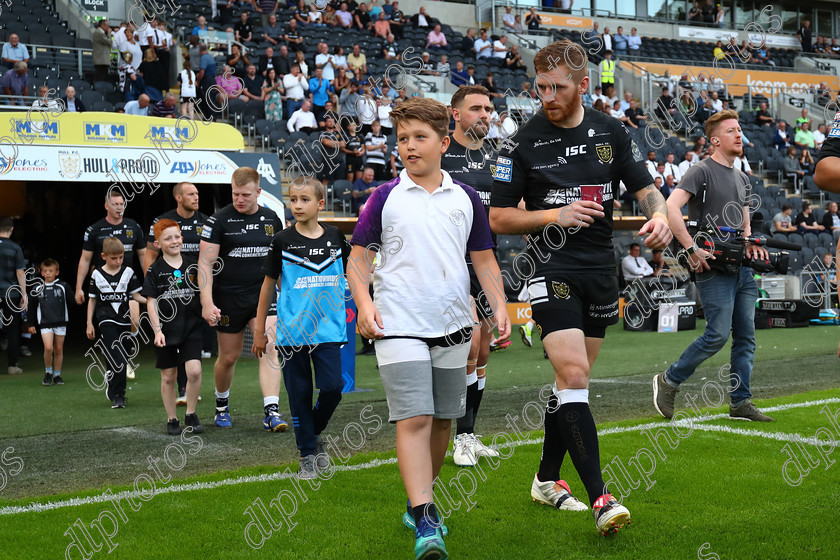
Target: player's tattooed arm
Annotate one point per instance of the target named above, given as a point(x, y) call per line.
point(655, 209)
point(651, 202)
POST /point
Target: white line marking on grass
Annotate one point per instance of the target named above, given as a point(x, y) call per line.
point(176, 488)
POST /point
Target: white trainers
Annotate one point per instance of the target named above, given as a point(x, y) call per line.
point(464, 453)
point(205, 355)
point(482, 450)
point(546, 493)
point(129, 374)
point(525, 331)
point(610, 516)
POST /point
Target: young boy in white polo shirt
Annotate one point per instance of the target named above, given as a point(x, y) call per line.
point(424, 223)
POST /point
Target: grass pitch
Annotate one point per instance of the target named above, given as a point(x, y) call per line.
point(714, 486)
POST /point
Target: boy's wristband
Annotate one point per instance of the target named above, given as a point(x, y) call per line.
point(661, 215)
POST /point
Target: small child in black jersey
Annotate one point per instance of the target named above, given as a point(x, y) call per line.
point(112, 285)
point(49, 312)
point(173, 299)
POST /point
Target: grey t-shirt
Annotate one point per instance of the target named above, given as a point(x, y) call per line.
point(782, 219)
point(727, 191)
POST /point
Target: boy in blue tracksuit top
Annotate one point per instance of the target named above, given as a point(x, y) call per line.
point(306, 262)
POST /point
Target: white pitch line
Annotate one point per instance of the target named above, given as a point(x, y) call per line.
point(177, 488)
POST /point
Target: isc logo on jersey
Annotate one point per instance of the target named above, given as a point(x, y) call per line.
point(504, 167)
point(575, 150)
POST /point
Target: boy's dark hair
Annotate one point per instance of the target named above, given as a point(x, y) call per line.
point(48, 262)
point(425, 110)
point(6, 224)
point(306, 181)
point(113, 246)
point(462, 93)
point(786, 207)
point(161, 225)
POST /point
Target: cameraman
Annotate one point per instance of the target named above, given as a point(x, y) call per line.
point(717, 194)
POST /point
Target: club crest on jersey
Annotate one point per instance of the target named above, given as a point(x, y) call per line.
point(269, 230)
point(129, 233)
point(560, 289)
point(198, 230)
point(605, 153)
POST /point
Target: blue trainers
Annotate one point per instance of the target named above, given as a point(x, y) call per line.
point(428, 542)
point(274, 422)
point(223, 418)
point(408, 520)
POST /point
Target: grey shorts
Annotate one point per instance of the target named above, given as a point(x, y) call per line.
point(424, 377)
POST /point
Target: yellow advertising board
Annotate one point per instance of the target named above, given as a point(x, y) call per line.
point(44, 128)
point(737, 79)
point(561, 20)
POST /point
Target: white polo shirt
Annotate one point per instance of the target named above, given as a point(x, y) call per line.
point(421, 283)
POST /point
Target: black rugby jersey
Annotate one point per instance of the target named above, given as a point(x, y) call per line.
point(474, 170)
point(190, 230)
point(51, 304)
point(128, 231)
point(178, 297)
point(112, 292)
point(243, 241)
point(551, 167)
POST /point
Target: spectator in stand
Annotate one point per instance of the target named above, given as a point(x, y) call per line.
point(345, 18)
point(443, 67)
point(390, 48)
point(101, 42)
point(564, 5)
point(671, 168)
point(781, 136)
point(252, 85)
point(508, 19)
point(819, 136)
point(806, 162)
point(272, 92)
point(459, 75)
point(716, 103)
point(665, 103)
point(376, 147)
point(436, 40)
point(471, 81)
point(651, 164)
point(468, 42)
point(688, 161)
point(238, 61)
point(189, 89)
point(301, 14)
point(625, 103)
point(740, 163)
point(607, 38)
point(339, 62)
point(206, 77)
point(130, 83)
point(420, 20)
point(194, 54)
point(720, 17)
point(161, 40)
point(790, 165)
point(533, 20)
point(387, 7)
point(295, 84)
point(659, 266)
point(803, 117)
point(427, 65)
point(361, 18)
point(620, 41)
point(718, 52)
point(382, 27)
point(165, 107)
point(229, 88)
point(500, 49)
point(634, 42)
point(806, 222)
point(591, 36)
point(598, 96)
point(301, 62)
point(348, 98)
point(273, 31)
point(708, 12)
point(266, 9)
point(607, 70)
point(513, 59)
point(130, 45)
point(71, 103)
point(303, 119)
point(762, 56)
point(804, 36)
point(374, 10)
point(823, 94)
point(835, 48)
point(668, 186)
point(633, 266)
point(316, 18)
point(362, 189)
point(821, 46)
point(782, 222)
point(397, 19)
point(695, 14)
point(244, 29)
point(763, 117)
point(831, 219)
point(329, 19)
point(139, 106)
point(483, 47)
point(357, 61)
point(804, 138)
point(325, 60)
point(488, 83)
point(293, 38)
point(319, 90)
point(154, 75)
point(44, 103)
point(636, 115)
point(617, 113)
